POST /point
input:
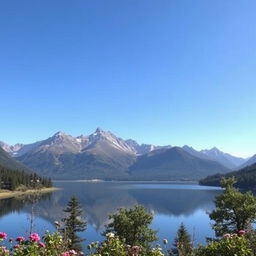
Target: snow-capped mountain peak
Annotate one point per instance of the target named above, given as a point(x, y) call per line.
point(101, 135)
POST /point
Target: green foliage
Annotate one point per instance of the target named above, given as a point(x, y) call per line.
point(234, 210)
point(183, 242)
point(15, 179)
point(73, 223)
point(251, 237)
point(157, 251)
point(52, 244)
point(112, 246)
point(246, 178)
point(234, 245)
point(132, 225)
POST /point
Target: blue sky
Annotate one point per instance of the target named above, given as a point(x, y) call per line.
point(163, 72)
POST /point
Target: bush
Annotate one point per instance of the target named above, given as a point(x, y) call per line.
point(111, 246)
point(50, 245)
point(230, 245)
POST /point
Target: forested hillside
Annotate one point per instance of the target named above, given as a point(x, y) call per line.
point(246, 178)
point(21, 180)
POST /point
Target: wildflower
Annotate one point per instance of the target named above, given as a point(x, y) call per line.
point(16, 246)
point(72, 252)
point(65, 254)
point(34, 237)
point(226, 235)
point(42, 245)
point(3, 235)
point(20, 239)
point(110, 235)
point(241, 232)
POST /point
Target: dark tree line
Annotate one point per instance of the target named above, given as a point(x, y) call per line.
point(14, 179)
point(246, 178)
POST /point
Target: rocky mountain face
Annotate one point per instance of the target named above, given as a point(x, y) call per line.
point(9, 162)
point(102, 155)
point(215, 154)
point(141, 149)
point(250, 161)
point(174, 163)
point(225, 159)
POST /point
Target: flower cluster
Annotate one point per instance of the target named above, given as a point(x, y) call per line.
point(3, 235)
point(51, 245)
point(240, 232)
point(34, 237)
point(69, 253)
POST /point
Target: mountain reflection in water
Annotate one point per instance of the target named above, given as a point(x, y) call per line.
point(98, 200)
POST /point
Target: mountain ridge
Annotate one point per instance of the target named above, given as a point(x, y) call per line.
point(102, 155)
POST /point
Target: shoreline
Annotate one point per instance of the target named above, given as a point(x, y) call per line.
point(131, 181)
point(10, 194)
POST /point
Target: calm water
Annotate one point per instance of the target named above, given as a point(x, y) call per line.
point(171, 204)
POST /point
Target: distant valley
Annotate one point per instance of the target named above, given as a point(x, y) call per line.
point(102, 155)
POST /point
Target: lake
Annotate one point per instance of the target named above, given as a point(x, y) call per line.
point(171, 204)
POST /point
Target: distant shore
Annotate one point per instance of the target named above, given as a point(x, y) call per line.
point(9, 194)
point(133, 181)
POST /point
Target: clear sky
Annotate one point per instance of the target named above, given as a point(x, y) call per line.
point(158, 71)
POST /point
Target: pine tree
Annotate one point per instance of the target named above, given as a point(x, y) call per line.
point(73, 223)
point(183, 242)
point(234, 210)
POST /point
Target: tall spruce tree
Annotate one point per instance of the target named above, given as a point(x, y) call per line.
point(183, 242)
point(73, 223)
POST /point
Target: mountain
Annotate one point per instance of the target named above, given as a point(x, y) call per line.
point(141, 149)
point(102, 155)
point(173, 164)
point(246, 178)
point(7, 161)
point(225, 159)
point(250, 161)
point(196, 153)
point(99, 156)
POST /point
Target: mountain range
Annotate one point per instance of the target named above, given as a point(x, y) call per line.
point(102, 155)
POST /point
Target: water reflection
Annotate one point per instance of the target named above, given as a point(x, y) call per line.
point(170, 203)
point(16, 204)
point(101, 199)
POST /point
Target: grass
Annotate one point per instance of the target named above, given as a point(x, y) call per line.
point(9, 194)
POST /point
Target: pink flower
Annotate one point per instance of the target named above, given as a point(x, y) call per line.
point(226, 235)
point(17, 246)
point(34, 237)
point(20, 239)
point(72, 252)
point(42, 245)
point(65, 254)
point(3, 235)
point(241, 232)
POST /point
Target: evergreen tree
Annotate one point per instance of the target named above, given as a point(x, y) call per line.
point(234, 210)
point(14, 179)
point(73, 223)
point(132, 225)
point(183, 242)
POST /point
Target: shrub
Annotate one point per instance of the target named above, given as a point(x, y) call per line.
point(230, 245)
